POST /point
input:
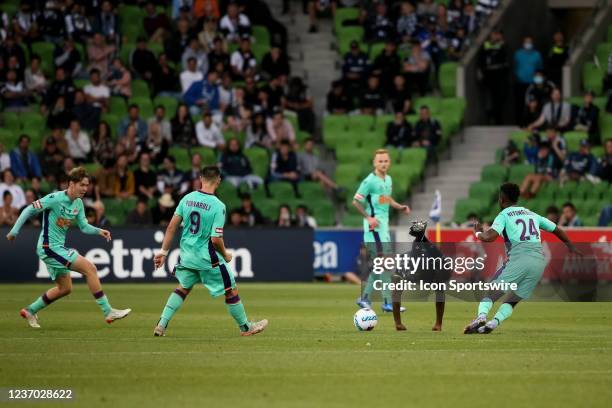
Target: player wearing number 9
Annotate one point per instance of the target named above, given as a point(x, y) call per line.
point(203, 257)
point(520, 229)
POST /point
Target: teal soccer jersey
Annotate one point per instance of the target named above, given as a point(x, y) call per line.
point(520, 228)
point(376, 194)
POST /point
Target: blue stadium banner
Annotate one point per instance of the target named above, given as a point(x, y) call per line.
point(260, 255)
point(336, 251)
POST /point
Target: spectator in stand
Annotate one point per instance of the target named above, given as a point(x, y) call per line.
point(527, 61)
point(296, 97)
point(14, 94)
point(78, 27)
point(532, 112)
point(558, 149)
point(236, 167)
point(178, 40)
point(399, 96)
point(59, 115)
point(238, 113)
point(99, 54)
point(544, 172)
point(387, 65)
point(427, 131)
point(531, 148)
point(371, 101)
point(102, 145)
point(208, 133)
point(557, 57)
point(159, 118)
point(156, 145)
point(170, 178)
point(57, 133)
point(79, 145)
point(407, 22)
point(5, 159)
point(35, 80)
point(141, 215)
point(471, 220)
point(485, 8)
point(204, 96)
point(556, 113)
point(68, 58)
point(303, 217)
point(165, 80)
point(416, 68)
point(234, 24)
point(209, 32)
point(10, 48)
point(310, 168)
point(190, 75)
point(120, 79)
point(605, 163)
point(540, 90)
point(511, 154)
point(196, 168)
point(8, 184)
point(183, 129)
point(8, 213)
point(143, 61)
point(354, 69)
point(24, 163)
point(338, 103)
point(553, 214)
point(569, 216)
point(317, 7)
point(51, 159)
point(457, 45)
point(31, 196)
point(107, 23)
point(257, 133)
point(163, 212)
point(427, 8)
point(129, 144)
point(243, 62)
point(250, 214)
point(284, 166)
point(399, 132)
point(51, 23)
point(236, 220)
point(275, 64)
point(124, 179)
point(284, 219)
point(87, 115)
point(61, 86)
point(195, 50)
point(379, 27)
point(156, 25)
point(279, 128)
point(96, 93)
point(133, 119)
point(582, 163)
point(493, 69)
point(587, 118)
point(299, 101)
point(219, 56)
point(101, 220)
point(145, 180)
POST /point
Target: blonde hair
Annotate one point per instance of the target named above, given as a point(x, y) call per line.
point(380, 151)
point(77, 174)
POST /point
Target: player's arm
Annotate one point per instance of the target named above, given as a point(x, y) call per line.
point(398, 206)
point(548, 225)
point(216, 235)
point(489, 235)
point(160, 257)
point(359, 197)
point(87, 228)
point(30, 211)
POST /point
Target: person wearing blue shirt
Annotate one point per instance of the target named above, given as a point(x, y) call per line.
point(24, 163)
point(354, 70)
point(581, 163)
point(527, 61)
point(203, 95)
point(133, 117)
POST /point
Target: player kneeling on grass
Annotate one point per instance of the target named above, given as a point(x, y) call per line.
point(520, 228)
point(203, 257)
point(61, 210)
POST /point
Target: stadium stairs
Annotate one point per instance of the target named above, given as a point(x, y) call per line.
point(457, 173)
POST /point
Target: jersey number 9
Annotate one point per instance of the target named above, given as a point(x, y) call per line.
point(194, 218)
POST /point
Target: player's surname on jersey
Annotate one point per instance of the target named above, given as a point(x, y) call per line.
point(450, 286)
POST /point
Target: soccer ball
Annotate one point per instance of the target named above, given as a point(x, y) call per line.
point(365, 319)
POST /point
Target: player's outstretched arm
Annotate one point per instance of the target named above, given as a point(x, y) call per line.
point(400, 207)
point(160, 257)
point(87, 228)
point(25, 215)
point(489, 235)
point(559, 233)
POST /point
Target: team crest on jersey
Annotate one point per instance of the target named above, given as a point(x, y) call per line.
point(75, 211)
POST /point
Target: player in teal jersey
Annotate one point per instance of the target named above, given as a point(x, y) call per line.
point(375, 192)
point(203, 257)
point(61, 210)
point(520, 228)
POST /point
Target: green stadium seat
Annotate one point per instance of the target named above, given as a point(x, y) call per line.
point(483, 190)
point(519, 137)
point(310, 189)
point(465, 206)
point(32, 120)
point(592, 78)
point(169, 103)
point(602, 51)
point(259, 50)
point(92, 168)
point(145, 105)
point(568, 190)
point(346, 35)
point(183, 160)
point(113, 122)
point(324, 212)
point(155, 48)
point(343, 14)
point(454, 107)
point(518, 172)
point(140, 89)
point(361, 123)
point(261, 34)
point(352, 218)
point(572, 140)
point(209, 157)
point(117, 106)
point(9, 138)
point(282, 191)
point(375, 50)
point(260, 161)
point(447, 78)
point(433, 103)
point(494, 173)
point(125, 52)
point(10, 120)
point(414, 154)
point(352, 154)
point(347, 174)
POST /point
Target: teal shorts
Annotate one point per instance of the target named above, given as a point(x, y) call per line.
point(58, 259)
point(525, 271)
point(217, 280)
point(378, 242)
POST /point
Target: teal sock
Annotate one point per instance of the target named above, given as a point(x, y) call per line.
point(236, 309)
point(40, 303)
point(102, 301)
point(174, 303)
point(369, 286)
point(504, 312)
point(485, 306)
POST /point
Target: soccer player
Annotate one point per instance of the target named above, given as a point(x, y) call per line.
point(520, 228)
point(61, 210)
point(375, 192)
point(203, 257)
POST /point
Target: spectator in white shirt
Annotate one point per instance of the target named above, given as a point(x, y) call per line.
point(280, 128)
point(96, 92)
point(208, 133)
point(164, 124)
point(78, 141)
point(191, 74)
point(234, 23)
point(5, 159)
point(243, 62)
point(35, 80)
point(8, 184)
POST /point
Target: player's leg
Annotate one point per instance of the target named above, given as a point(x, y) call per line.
point(503, 312)
point(440, 304)
point(63, 287)
point(486, 303)
point(187, 279)
point(83, 266)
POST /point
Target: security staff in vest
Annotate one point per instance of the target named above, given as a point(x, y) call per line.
point(557, 55)
point(493, 73)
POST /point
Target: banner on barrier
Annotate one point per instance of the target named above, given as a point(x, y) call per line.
point(260, 255)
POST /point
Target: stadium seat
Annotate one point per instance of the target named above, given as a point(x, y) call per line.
point(465, 206)
point(117, 106)
point(324, 213)
point(518, 172)
point(519, 137)
point(347, 174)
point(311, 189)
point(361, 123)
point(592, 78)
point(209, 157)
point(9, 138)
point(352, 218)
point(602, 51)
point(169, 103)
point(414, 154)
point(483, 190)
point(10, 120)
point(573, 139)
point(433, 103)
point(145, 105)
point(183, 160)
point(259, 50)
point(261, 34)
point(260, 161)
point(375, 50)
point(352, 154)
point(33, 120)
point(45, 52)
point(453, 107)
point(447, 78)
point(346, 35)
point(155, 48)
point(113, 122)
point(494, 173)
point(343, 14)
point(140, 89)
point(125, 51)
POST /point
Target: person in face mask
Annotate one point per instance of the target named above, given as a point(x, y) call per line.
point(540, 89)
point(527, 61)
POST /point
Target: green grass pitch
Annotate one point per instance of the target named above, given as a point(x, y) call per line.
point(547, 354)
